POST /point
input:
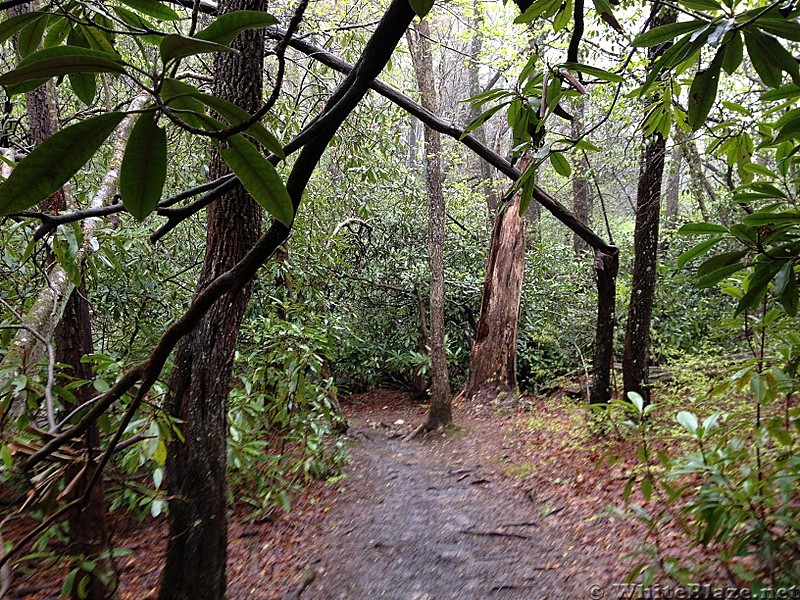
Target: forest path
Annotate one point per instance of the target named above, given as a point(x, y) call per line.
point(432, 518)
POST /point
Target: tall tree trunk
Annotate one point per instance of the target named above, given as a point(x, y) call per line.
point(645, 243)
point(484, 169)
point(201, 380)
point(493, 359)
point(606, 266)
point(673, 191)
point(581, 205)
point(439, 414)
point(87, 524)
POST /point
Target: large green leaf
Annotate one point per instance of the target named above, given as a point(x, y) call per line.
point(259, 178)
point(61, 60)
point(714, 277)
point(144, 167)
point(697, 250)
point(701, 229)
point(665, 33)
point(31, 36)
point(84, 85)
point(784, 28)
point(175, 47)
point(234, 115)
point(225, 28)
point(757, 285)
point(769, 58)
point(421, 7)
point(595, 72)
point(720, 260)
point(734, 53)
point(153, 8)
point(560, 164)
point(179, 96)
point(536, 9)
point(760, 219)
point(12, 25)
point(54, 161)
point(703, 92)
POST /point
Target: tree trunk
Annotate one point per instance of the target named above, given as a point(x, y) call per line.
point(484, 169)
point(201, 380)
point(439, 414)
point(87, 527)
point(606, 266)
point(673, 192)
point(701, 186)
point(581, 206)
point(493, 359)
point(645, 244)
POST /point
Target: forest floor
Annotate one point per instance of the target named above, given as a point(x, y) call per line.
point(511, 503)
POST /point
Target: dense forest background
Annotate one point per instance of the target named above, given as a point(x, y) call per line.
point(532, 196)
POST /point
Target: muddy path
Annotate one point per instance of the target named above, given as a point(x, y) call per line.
point(431, 519)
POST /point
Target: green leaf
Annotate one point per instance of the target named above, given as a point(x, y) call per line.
point(175, 47)
point(421, 7)
point(482, 118)
point(734, 53)
point(144, 167)
point(784, 28)
point(31, 36)
point(536, 9)
point(769, 58)
point(703, 93)
point(12, 25)
point(790, 90)
point(153, 8)
point(762, 218)
point(594, 72)
point(786, 289)
point(179, 96)
point(757, 285)
point(57, 33)
point(54, 161)
point(225, 28)
point(560, 164)
point(61, 60)
point(697, 250)
point(234, 115)
point(259, 177)
point(720, 260)
point(664, 33)
point(714, 277)
point(99, 40)
point(701, 228)
point(85, 86)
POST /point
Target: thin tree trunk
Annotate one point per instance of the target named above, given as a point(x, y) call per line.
point(492, 362)
point(581, 205)
point(484, 168)
point(201, 380)
point(673, 192)
point(87, 524)
point(645, 244)
point(606, 266)
point(440, 413)
point(701, 186)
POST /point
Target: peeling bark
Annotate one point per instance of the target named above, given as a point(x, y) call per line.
point(493, 359)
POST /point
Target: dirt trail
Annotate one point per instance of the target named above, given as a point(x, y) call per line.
point(430, 519)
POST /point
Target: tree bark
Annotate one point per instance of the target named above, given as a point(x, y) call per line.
point(440, 412)
point(201, 380)
point(493, 359)
point(87, 524)
point(606, 267)
point(484, 169)
point(701, 186)
point(581, 205)
point(673, 192)
point(645, 244)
